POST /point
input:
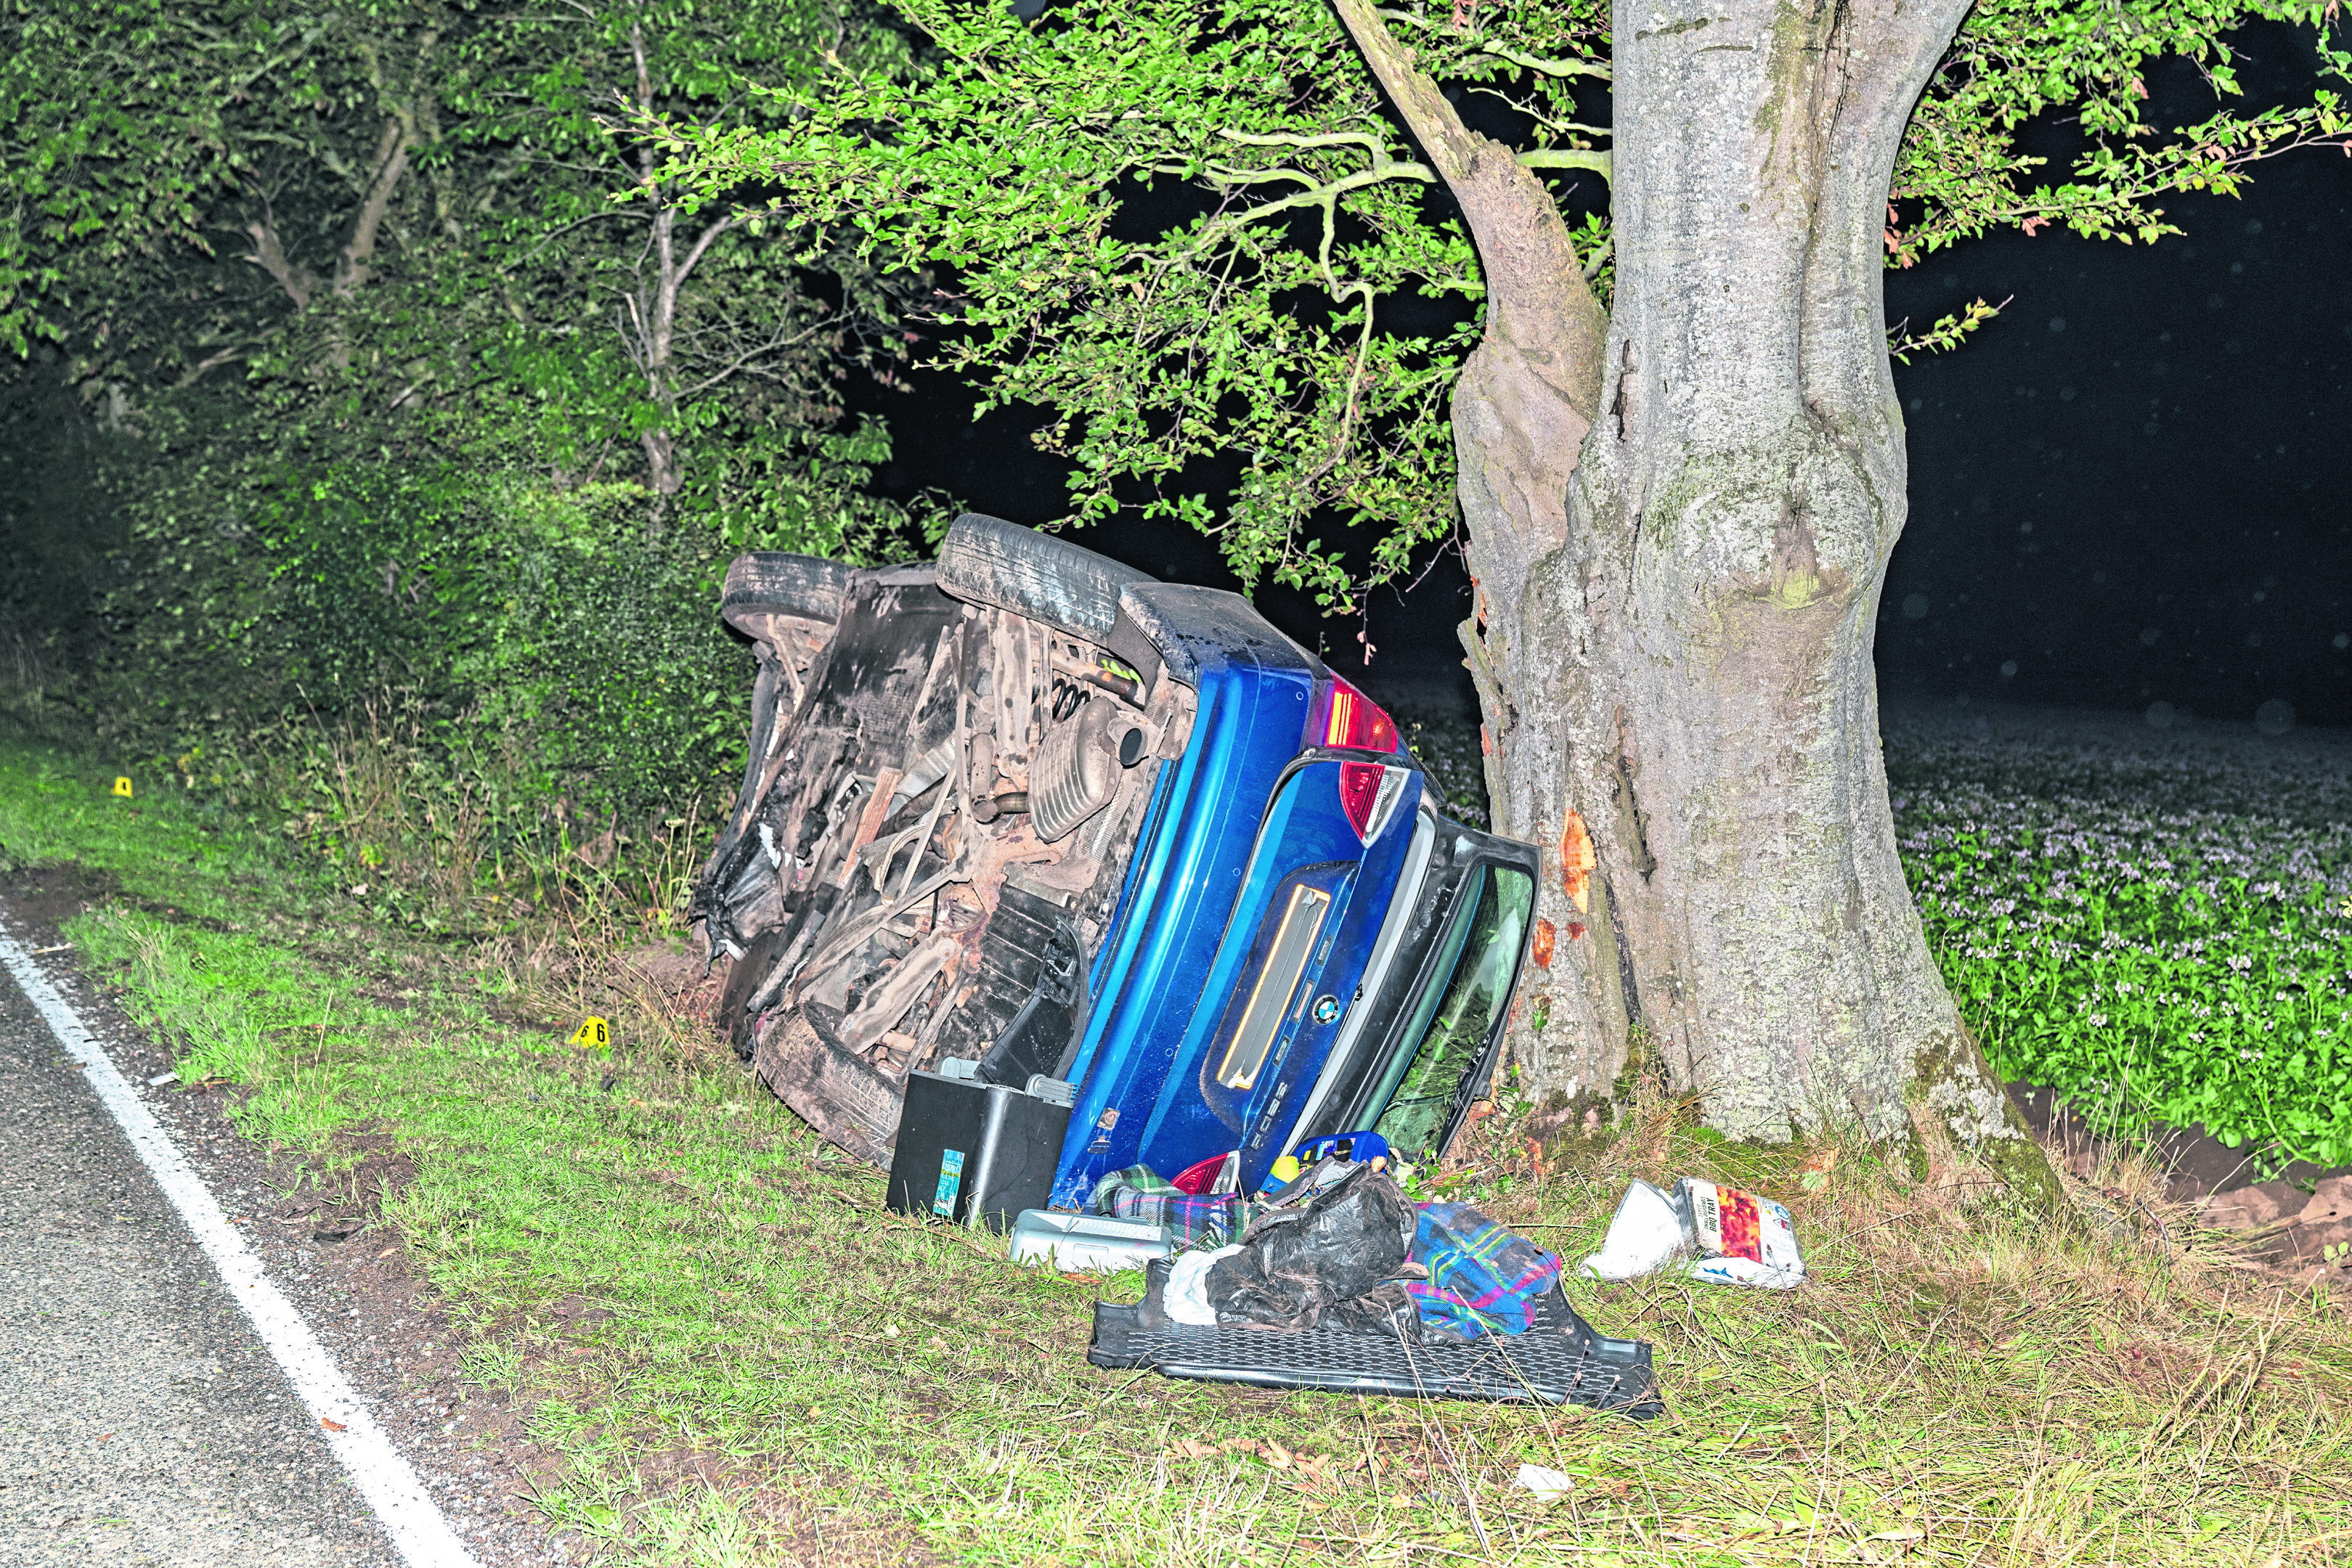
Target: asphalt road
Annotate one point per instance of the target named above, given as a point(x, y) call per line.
point(141, 1419)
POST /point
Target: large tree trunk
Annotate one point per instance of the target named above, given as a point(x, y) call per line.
point(1675, 621)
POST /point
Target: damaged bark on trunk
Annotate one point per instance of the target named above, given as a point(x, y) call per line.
point(1679, 530)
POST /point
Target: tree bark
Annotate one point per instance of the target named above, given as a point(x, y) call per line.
point(1679, 534)
point(653, 337)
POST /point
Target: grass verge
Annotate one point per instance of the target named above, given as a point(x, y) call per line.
point(746, 1359)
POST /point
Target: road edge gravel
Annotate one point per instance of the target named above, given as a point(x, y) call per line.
point(414, 1523)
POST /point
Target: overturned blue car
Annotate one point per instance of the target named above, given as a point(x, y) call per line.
point(1055, 869)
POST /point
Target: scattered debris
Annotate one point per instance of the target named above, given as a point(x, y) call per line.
point(1363, 1148)
point(1549, 1486)
point(1087, 1243)
point(1734, 1237)
point(1482, 1279)
point(1186, 1293)
point(1207, 1219)
point(2309, 1234)
point(1346, 1284)
point(1336, 1256)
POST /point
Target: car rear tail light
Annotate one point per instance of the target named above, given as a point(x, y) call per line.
point(1359, 790)
point(1354, 720)
point(1194, 1179)
point(1204, 1177)
point(1368, 793)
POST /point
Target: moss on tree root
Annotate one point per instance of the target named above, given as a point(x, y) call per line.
point(1952, 1083)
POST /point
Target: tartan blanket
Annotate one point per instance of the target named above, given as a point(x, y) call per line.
point(1483, 1279)
point(1139, 1192)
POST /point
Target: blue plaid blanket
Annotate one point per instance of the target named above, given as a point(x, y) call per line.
point(1140, 1192)
point(1483, 1279)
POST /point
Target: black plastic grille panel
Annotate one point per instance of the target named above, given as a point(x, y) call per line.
point(1559, 1363)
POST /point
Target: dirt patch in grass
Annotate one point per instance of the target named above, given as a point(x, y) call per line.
point(2196, 1164)
point(45, 896)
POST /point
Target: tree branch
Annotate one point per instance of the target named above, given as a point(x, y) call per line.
point(1368, 143)
point(694, 253)
point(269, 256)
point(390, 164)
point(1318, 194)
point(1945, 334)
point(1542, 341)
point(1535, 284)
point(562, 229)
point(1325, 195)
point(1357, 363)
point(212, 360)
point(1566, 158)
point(775, 344)
point(1544, 65)
point(1452, 145)
point(1551, 68)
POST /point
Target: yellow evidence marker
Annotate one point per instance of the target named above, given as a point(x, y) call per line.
point(122, 786)
point(593, 1034)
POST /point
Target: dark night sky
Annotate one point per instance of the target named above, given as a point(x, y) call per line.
point(2132, 487)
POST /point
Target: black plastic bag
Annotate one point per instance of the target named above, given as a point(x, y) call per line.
point(1385, 1312)
point(1297, 1263)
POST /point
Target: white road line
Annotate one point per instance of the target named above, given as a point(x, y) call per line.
point(386, 1479)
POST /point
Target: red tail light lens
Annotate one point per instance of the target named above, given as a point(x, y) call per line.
point(1354, 720)
point(1195, 1179)
point(1359, 790)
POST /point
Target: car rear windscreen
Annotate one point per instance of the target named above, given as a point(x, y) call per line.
point(1451, 1028)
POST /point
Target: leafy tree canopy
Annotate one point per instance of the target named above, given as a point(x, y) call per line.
point(389, 222)
point(380, 386)
point(1193, 231)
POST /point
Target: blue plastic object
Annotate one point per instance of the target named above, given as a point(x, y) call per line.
point(1361, 1147)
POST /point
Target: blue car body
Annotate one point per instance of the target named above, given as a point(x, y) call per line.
point(1207, 899)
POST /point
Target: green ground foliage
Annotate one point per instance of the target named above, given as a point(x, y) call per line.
point(2164, 931)
point(770, 1368)
point(503, 627)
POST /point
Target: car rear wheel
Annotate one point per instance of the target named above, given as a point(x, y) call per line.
point(1042, 575)
point(772, 583)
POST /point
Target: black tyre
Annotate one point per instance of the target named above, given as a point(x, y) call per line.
point(1042, 575)
point(770, 583)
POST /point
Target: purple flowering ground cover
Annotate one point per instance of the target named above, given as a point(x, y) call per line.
point(2158, 923)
